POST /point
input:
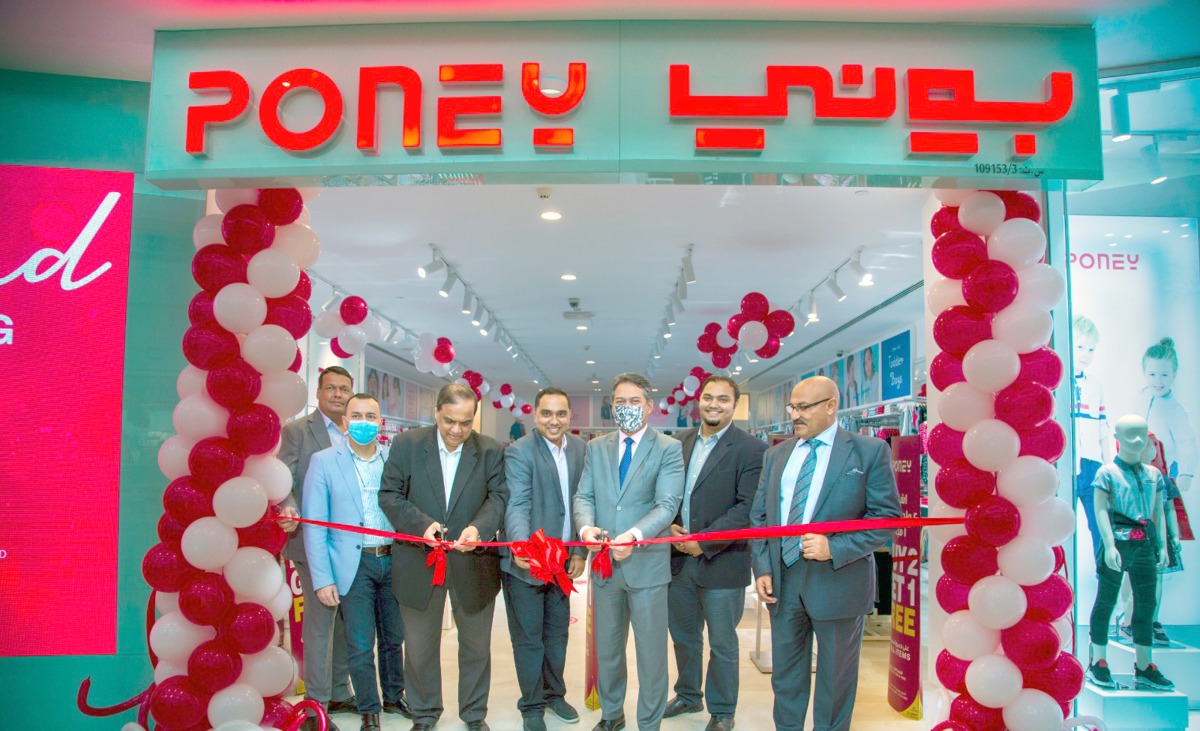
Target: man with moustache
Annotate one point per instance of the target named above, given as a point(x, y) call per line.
point(814, 583)
point(722, 464)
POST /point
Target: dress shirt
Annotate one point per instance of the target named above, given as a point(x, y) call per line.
point(560, 461)
point(369, 472)
point(336, 437)
point(637, 439)
point(449, 462)
point(700, 451)
point(792, 471)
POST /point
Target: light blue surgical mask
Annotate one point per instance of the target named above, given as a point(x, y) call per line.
point(630, 418)
point(363, 431)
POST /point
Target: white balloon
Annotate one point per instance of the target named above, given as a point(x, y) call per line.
point(1033, 710)
point(993, 681)
point(239, 307)
point(166, 601)
point(951, 197)
point(991, 365)
point(270, 672)
point(724, 339)
point(240, 725)
point(240, 502)
point(173, 456)
point(131, 726)
point(944, 533)
point(199, 417)
point(191, 381)
point(423, 360)
point(273, 273)
point(168, 669)
point(944, 293)
point(439, 369)
point(427, 342)
point(237, 702)
point(227, 198)
point(991, 445)
point(1026, 561)
point(968, 639)
point(1018, 242)
point(352, 339)
point(1027, 482)
point(173, 637)
point(328, 324)
point(374, 328)
point(305, 218)
point(309, 194)
point(997, 602)
point(1051, 522)
point(284, 392)
point(981, 212)
point(281, 603)
point(752, 335)
point(507, 400)
point(679, 395)
point(691, 383)
point(209, 543)
point(1022, 326)
point(961, 405)
point(269, 348)
point(1040, 286)
point(272, 474)
point(485, 387)
point(1065, 627)
point(299, 243)
point(254, 573)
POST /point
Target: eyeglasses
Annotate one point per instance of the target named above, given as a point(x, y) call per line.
point(801, 408)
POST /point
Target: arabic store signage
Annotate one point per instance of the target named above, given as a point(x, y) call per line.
point(624, 96)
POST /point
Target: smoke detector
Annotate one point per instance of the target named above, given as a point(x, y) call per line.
point(543, 193)
point(575, 313)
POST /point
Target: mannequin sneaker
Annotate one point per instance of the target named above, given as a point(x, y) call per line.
point(1151, 678)
point(1160, 636)
point(1125, 632)
point(1100, 676)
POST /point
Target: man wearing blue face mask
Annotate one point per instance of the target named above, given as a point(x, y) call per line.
point(354, 571)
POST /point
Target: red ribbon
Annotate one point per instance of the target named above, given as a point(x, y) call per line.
point(546, 557)
point(299, 715)
point(437, 559)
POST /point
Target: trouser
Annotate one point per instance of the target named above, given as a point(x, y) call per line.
point(370, 603)
point(619, 606)
point(691, 608)
point(538, 620)
point(1139, 560)
point(326, 669)
point(423, 659)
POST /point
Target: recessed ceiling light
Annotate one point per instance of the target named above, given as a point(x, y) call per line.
point(581, 327)
point(1109, 236)
point(1183, 225)
point(590, 362)
point(551, 215)
point(666, 335)
point(657, 357)
point(1129, 236)
point(1113, 243)
point(595, 389)
point(654, 390)
point(1166, 230)
point(595, 380)
point(568, 277)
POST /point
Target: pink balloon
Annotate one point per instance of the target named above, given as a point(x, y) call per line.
point(771, 349)
point(208, 346)
point(952, 672)
point(297, 363)
point(991, 286)
point(276, 713)
point(951, 726)
point(292, 313)
point(337, 349)
point(215, 460)
point(699, 373)
point(213, 666)
point(1042, 366)
point(164, 567)
point(780, 323)
point(1049, 600)
point(176, 702)
point(755, 306)
point(1060, 558)
point(1031, 645)
point(248, 629)
point(234, 385)
point(505, 389)
point(443, 353)
point(967, 711)
point(958, 328)
point(721, 359)
point(945, 371)
point(281, 206)
point(353, 310)
point(967, 560)
point(734, 325)
point(945, 221)
point(995, 521)
point(706, 343)
point(956, 253)
point(1024, 404)
point(255, 429)
point(186, 503)
point(952, 595)
point(303, 288)
point(497, 405)
point(1019, 205)
point(526, 409)
point(1047, 440)
point(474, 378)
point(247, 229)
point(217, 265)
point(712, 328)
point(1062, 681)
point(169, 529)
point(962, 485)
point(206, 598)
point(945, 444)
point(200, 309)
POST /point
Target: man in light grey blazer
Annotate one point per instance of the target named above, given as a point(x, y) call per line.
point(542, 470)
point(631, 487)
point(820, 584)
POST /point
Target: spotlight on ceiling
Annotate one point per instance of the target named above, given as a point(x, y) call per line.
point(431, 267)
point(832, 285)
point(865, 278)
point(449, 284)
point(1119, 109)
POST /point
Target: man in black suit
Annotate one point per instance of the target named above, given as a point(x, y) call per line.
point(542, 471)
point(708, 585)
point(446, 480)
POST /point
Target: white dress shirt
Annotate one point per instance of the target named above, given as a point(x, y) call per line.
point(450, 462)
point(560, 461)
point(787, 483)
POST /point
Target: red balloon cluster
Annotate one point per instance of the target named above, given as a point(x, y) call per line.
point(349, 327)
point(755, 327)
point(687, 391)
point(475, 380)
point(444, 352)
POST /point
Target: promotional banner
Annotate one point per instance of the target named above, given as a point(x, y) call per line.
point(296, 623)
point(64, 267)
point(896, 356)
point(904, 669)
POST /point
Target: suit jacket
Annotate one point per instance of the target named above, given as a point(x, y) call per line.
point(721, 500)
point(859, 483)
point(649, 500)
point(412, 496)
point(535, 496)
point(298, 442)
point(332, 493)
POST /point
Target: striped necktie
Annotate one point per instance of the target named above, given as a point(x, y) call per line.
point(790, 545)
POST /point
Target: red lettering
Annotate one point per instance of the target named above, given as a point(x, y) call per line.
point(1133, 260)
point(199, 118)
point(708, 138)
point(450, 108)
point(943, 143)
point(286, 83)
point(471, 73)
point(370, 78)
point(1118, 261)
point(948, 95)
point(1024, 146)
point(564, 103)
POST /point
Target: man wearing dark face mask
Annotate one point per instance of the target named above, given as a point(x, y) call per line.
point(353, 572)
point(630, 489)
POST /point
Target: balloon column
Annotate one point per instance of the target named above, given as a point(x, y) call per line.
point(351, 326)
point(219, 588)
point(688, 390)
point(755, 327)
point(1007, 603)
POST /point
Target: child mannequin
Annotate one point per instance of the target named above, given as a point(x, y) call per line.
point(1129, 515)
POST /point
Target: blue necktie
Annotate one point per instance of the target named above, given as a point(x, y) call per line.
point(626, 458)
point(790, 545)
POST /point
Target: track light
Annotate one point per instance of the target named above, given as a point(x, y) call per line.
point(833, 287)
point(490, 322)
point(670, 315)
point(676, 302)
point(1119, 109)
point(431, 267)
point(496, 334)
point(681, 288)
point(1150, 155)
point(689, 274)
point(466, 310)
point(391, 338)
point(812, 308)
point(865, 278)
point(332, 298)
point(477, 318)
point(445, 289)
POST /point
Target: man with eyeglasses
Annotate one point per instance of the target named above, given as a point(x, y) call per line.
point(816, 583)
point(630, 489)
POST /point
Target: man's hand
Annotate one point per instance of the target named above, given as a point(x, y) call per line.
point(328, 595)
point(469, 535)
point(691, 548)
point(576, 566)
point(432, 532)
point(762, 586)
point(521, 562)
point(620, 553)
point(814, 547)
point(592, 536)
point(289, 525)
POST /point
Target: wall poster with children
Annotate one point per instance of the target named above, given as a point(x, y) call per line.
point(1135, 299)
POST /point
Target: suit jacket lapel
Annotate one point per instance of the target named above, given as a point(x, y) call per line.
point(549, 467)
point(466, 463)
point(316, 425)
point(349, 472)
point(837, 461)
point(433, 469)
point(719, 452)
point(640, 454)
point(775, 514)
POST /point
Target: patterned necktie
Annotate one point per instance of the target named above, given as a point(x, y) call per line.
point(626, 458)
point(790, 545)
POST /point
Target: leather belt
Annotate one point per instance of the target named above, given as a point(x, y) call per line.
point(385, 550)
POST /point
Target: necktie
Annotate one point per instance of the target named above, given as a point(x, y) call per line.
point(626, 458)
point(790, 545)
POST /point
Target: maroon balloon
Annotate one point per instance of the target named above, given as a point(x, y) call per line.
point(962, 485)
point(1024, 404)
point(1047, 440)
point(770, 349)
point(200, 309)
point(254, 429)
point(1062, 681)
point(208, 346)
point(946, 370)
point(169, 529)
point(303, 288)
point(164, 567)
point(1060, 558)
point(298, 362)
point(956, 253)
point(951, 595)
point(1019, 205)
point(205, 598)
point(248, 629)
point(1042, 366)
point(706, 343)
point(995, 521)
point(944, 221)
point(443, 353)
point(337, 349)
point(755, 306)
point(353, 310)
point(217, 265)
point(185, 503)
point(290, 312)
point(473, 378)
point(951, 726)
point(213, 666)
point(267, 536)
point(1049, 600)
point(444, 341)
point(780, 323)
point(247, 229)
point(957, 328)
point(178, 703)
point(1031, 645)
point(281, 206)
point(215, 460)
point(497, 405)
point(945, 444)
point(734, 324)
point(234, 385)
point(721, 359)
point(526, 409)
point(712, 328)
point(967, 711)
point(698, 372)
point(276, 713)
point(478, 393)
point(967, 560)
point(952, 672)
point(991, 286)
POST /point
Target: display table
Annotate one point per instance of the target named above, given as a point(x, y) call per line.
point(1131, 709)
point(1180, 663)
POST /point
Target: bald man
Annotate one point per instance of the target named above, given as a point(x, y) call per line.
point(819, 584)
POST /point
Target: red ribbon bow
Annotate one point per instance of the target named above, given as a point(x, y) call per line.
point(602, 562)
point(546, 557)
point(437, 559)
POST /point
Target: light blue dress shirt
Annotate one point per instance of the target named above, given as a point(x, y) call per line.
point(700, 451)
point(370, 472)
point(787, 483)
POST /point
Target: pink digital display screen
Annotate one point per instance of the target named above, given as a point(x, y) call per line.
point(64, 268)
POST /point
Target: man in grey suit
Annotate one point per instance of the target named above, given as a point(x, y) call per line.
point(631, 487)
point(708, 585)
point(814, 583)
point(542, 470)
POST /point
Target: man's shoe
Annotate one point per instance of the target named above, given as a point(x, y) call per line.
point(1151, 678)
point(1160, 636)
point(720, 722)
point(563, 710)
point(1100, 676)
point(370, 722)
point(479, 725)
point(401, 706)
point(421, 726)
point(533, 722)
point(678, 706)
point(310, 724)
point(350, 705)
point(1125, 633)
point(614, 724)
